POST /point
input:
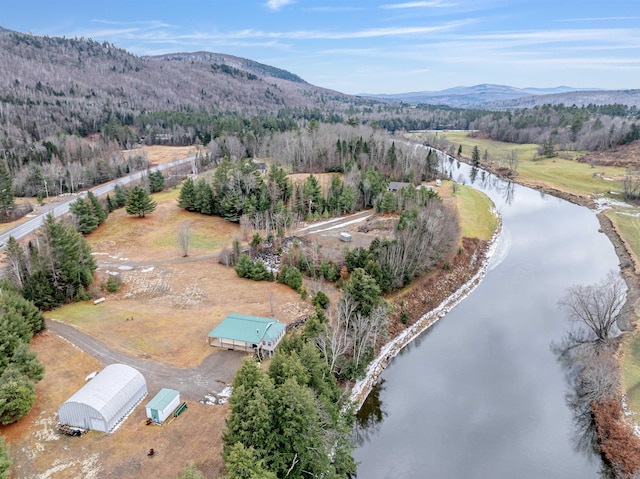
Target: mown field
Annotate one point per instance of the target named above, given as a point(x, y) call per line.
point(560, 172)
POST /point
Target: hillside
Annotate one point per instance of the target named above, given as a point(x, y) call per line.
point(48, 84)
point(500, 97)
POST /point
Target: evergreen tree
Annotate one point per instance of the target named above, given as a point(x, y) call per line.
point(61, 265)
point(6, 191)
point(312, 194)
point(17, 395)
point(204, 201)
point(364, 290)
point(392, 157)
point(26, 363)
point(156, 181)
point(243, 463)
point(120, 195)
point(187, 198)
point(475, 156)
point(5, 459)
point(97, 207)
point(191, 472)
point(139, 202)
point(85, 217)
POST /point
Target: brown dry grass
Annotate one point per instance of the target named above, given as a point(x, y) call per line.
point(174, 303)
point(39, 451)
point(168, 304)
point(159, 154)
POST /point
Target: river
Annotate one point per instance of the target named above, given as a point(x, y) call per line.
point(481, 394)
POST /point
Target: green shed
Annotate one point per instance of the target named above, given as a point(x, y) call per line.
point(163, 404)
point(247, 333)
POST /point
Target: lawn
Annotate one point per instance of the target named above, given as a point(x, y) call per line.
point(631, 372)
point(476, 212)
point(627, 224)
point(559, 172)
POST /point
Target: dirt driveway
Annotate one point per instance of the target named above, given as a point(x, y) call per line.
point(194, 384)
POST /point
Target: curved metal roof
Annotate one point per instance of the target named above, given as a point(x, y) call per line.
point(110, 390)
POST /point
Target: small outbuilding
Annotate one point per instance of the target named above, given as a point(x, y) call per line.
point(247, 333)
point(106, 400)
point(163, 404)
point(346, 237)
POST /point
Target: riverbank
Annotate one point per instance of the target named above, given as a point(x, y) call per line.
point(435, 299)
point(617, 433)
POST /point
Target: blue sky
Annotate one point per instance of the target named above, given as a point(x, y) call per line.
point(357, 46)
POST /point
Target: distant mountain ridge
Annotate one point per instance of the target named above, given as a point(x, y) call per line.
point(492, 96)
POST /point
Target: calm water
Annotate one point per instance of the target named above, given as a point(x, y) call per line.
point(481, 395)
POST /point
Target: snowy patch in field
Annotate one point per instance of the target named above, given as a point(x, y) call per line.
point(220, 398)
point(89, 465)
point(125, 268)
point(147, 270)
point(603, 204)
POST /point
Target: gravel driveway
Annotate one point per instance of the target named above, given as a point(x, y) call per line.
point(207, 379)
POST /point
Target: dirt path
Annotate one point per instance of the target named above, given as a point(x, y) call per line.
point(207, 379)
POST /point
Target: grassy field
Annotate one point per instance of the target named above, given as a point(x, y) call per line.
point(476, 211)
point(631, 372)
point(627, 224)
point(558, 172)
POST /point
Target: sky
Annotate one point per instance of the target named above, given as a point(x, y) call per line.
point(371, 46)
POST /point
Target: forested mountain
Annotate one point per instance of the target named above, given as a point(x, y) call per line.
point(48, 84)
point(502, 97)
point(55, 93)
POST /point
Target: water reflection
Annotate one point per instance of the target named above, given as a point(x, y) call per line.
point(586, 365)
point(370, 416)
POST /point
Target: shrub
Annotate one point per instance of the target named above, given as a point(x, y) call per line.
point(404, 317)
point(291, 276)
point(113, 283)
point(320, 300)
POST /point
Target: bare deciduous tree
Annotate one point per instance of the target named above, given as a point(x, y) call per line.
point(596, 306)
point(184, 237)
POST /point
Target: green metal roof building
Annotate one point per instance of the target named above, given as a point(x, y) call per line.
point(247, 333)
point(163, 404)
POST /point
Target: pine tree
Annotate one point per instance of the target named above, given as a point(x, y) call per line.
point(242, 463)
point(17, 395)
point(187, 198)
point(97, 207)
point(139, 202)
point(156, 181)
point(5, 459)
point(6, 191)
point(85, 217)
point(475, 156)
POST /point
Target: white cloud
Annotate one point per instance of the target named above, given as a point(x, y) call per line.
point(277, 4)
point(424, 4)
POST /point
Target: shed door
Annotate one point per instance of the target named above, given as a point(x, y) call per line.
point(154, 415)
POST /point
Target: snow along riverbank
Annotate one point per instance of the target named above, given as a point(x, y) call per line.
point(363, 387)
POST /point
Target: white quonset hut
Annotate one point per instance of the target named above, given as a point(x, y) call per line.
point(163, 404)
point(106, 400)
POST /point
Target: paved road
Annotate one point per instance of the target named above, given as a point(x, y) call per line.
point(209, 378)
point(60, 208)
